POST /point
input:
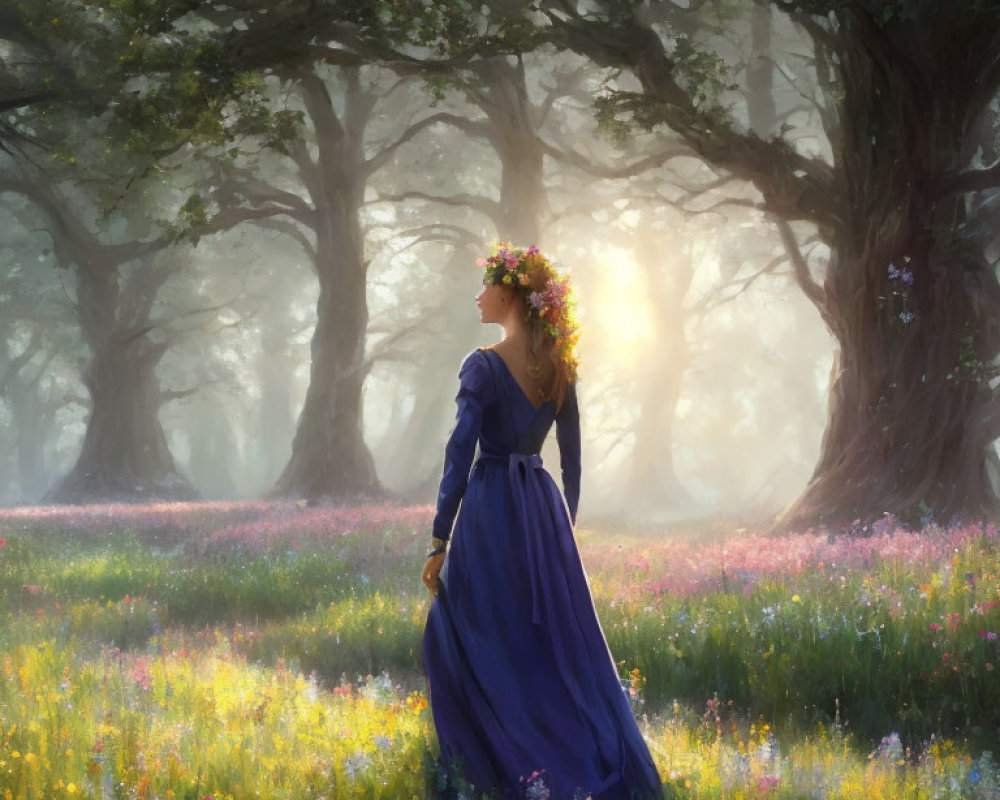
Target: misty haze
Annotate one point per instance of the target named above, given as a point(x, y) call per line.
point(281, 284)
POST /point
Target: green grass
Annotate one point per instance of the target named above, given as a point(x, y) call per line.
point(130, 670)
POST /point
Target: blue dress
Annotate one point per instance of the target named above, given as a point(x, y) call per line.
point(525, 695)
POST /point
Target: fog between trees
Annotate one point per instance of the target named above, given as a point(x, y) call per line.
point(264, 286)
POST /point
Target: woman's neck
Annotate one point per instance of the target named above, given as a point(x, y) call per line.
point(515, 339)
point(516, 333)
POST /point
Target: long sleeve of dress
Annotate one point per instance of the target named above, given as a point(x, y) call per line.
point(473, 396)
point(568, 437)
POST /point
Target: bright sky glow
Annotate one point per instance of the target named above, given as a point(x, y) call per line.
point(619, 309)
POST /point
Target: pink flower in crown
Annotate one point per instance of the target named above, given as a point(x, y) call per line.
point(558, 288)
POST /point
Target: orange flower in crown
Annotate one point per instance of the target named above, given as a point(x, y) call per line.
point(547, 291)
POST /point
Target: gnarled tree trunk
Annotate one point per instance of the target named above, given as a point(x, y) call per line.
point(911, 298)
point(330, 459)
point(125, 456)
point(329, 455)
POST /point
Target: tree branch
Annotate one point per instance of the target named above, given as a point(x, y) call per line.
point(973, 180)
point(794, 187)
point(178, 394)
point(229, 218)
point(713, 301)
point(791, 82)
point(257, 191)
point(289, 229)
point(803, 276)
point(16, 101)
point(438, 232)
point(809, 23)
point(484, 205)
point(16, 364)
point(319, 106)
point(471, 127)
point(69, 235)
point(384, 346)
point(581, 162)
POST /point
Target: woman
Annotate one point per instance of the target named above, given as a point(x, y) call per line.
point(524, 691)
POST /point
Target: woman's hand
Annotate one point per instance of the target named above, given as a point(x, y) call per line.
point(431, 570)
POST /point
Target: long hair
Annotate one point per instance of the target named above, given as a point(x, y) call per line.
point(549, 306)
point(543, 345)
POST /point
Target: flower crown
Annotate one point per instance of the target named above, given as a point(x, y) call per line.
point(549, 295)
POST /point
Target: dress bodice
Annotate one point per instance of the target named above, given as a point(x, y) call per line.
point(495, 413)
point(523, 428)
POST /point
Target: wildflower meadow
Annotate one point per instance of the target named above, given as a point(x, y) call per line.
point(237, 650)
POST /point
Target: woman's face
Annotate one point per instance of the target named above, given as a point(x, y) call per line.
point(494, 302)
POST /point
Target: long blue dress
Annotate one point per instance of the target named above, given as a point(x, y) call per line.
point(524, 692)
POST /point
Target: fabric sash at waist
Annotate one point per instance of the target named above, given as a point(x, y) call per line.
point(522, 469)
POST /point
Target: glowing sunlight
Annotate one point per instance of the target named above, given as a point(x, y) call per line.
point(619, 307)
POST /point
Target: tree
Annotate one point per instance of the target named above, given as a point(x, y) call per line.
point(36, 347)
point(908, 292)
point(318, 54)
point(95, 162)
point(320, 186)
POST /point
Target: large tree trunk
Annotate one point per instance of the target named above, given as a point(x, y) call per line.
point(125, 456)
point(912, 415)
point(269, 448)
point(330, 459)
point(653, 484)
point(907, 404)
point(30, 415)
point(516, 141)
point(652, 478)
point(522, 193)
point(215, 452)
point(418, 448)
point(761, 109)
